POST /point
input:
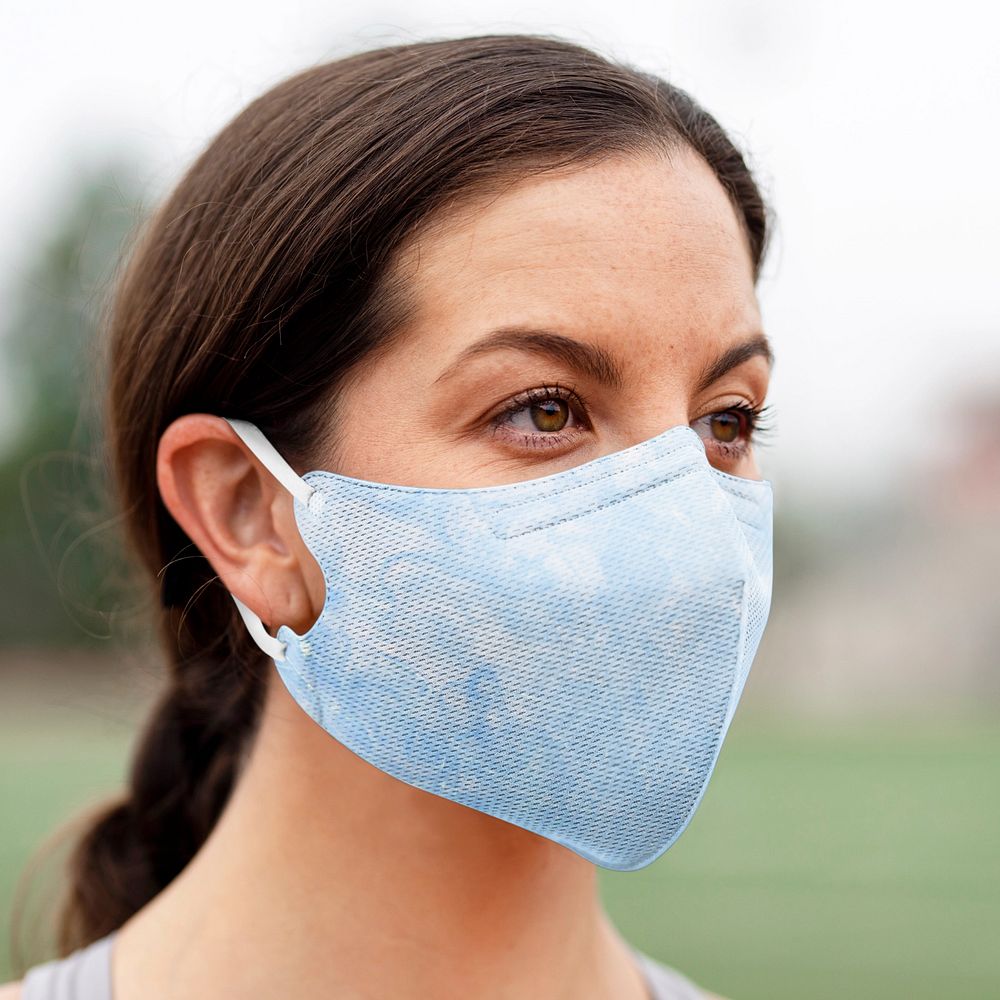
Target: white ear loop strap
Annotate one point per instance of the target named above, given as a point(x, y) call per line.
point(254, 439)
point(274, 648)
point(269, 457)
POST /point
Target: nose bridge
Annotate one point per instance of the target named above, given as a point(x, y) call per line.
point(648, 406)
point(650, 425)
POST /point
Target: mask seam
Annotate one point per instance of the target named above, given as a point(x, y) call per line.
point(578, 486)
point(593, 510)
point(742, 653)
point(733, 488)
point(562, 492)
point(523, 485)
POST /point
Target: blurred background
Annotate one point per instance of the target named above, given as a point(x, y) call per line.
point(848, 842)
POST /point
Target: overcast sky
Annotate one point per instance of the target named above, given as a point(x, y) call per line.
point(871, 125)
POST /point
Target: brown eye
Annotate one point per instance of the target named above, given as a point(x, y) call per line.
point(550, 415)
point(545, 416)
point(726, 427)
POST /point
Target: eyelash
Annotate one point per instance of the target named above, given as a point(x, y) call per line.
point(539, 394)
point(752, 418)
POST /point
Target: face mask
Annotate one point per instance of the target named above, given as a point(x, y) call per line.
point(564, 653)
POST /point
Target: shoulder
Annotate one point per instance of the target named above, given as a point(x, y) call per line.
point(10, 991)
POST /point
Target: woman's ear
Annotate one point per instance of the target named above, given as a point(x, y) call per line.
point(240, 518)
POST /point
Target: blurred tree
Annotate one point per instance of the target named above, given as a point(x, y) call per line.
point(60, 562)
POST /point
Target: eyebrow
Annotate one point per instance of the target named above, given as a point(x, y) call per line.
point(758, 346)
point(587, 358)
point(593, 360)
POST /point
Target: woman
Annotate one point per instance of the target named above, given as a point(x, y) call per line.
point(496, 295)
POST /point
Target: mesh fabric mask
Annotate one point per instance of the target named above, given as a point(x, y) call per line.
point(565, 653)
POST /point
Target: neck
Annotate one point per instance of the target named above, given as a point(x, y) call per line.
point(325, 876)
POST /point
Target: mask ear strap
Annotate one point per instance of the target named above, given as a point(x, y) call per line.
point(252, 436)
point(268, 455)
point(274, 648)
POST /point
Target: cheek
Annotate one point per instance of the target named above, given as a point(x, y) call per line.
point(748, 467)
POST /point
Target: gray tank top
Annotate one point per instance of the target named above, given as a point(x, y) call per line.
point(86, 975)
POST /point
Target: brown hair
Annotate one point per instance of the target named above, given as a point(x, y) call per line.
point(252, 291)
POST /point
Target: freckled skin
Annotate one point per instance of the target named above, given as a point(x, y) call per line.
point(619, 254)
point(325, 876)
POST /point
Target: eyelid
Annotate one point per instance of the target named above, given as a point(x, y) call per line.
point(751, 414)
point(555, 389)
point(540, 440)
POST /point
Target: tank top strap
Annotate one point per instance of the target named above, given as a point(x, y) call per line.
point(86, 975)
point(83, 975)
point(666, 983)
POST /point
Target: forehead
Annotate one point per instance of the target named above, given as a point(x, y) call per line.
point(639, 243)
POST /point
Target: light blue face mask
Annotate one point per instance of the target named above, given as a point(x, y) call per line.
point(565, 653)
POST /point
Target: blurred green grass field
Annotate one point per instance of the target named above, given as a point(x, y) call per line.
point(826, 860)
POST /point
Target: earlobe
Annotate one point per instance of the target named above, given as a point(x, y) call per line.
point(231, 507)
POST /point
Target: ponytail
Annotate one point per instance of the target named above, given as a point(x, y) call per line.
point(182, 773)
